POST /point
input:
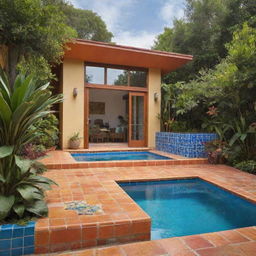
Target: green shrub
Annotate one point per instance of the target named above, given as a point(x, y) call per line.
point(22, 106)
point(47, 130)
point(247, 166)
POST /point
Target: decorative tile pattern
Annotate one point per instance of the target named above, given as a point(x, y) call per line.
point(82, 208)
point(17, 240)
point(185, 144)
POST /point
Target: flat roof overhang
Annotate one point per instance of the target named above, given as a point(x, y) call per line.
point(106, 53)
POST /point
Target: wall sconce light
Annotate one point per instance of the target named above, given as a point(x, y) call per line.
point(156, 96)
point(75, 92)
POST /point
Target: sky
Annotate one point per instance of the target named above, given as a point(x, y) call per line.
point(135, 22)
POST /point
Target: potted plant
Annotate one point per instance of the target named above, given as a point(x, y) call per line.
point(217, 151)
point(75, 141)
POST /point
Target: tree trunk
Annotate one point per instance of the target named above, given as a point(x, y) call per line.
point(13, 57)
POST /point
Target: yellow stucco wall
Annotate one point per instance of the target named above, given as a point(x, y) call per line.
point(72, 107)
point(154, 86)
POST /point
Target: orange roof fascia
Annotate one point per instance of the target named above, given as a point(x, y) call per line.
point(106, 53)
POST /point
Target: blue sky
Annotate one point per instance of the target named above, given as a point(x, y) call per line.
point(135, 22)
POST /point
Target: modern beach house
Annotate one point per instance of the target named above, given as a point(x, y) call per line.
point(112, 93)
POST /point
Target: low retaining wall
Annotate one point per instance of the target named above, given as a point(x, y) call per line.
point(184, 144)
point(17, 240)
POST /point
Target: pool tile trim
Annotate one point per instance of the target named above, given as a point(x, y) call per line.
point(16, 239)
point(64, 160)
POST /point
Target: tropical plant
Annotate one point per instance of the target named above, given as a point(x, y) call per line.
point(222, 99)
point(32, 151)
point(247, 166)
point(166, 103)
point(217, 151)
point(22, 105)
point(48, 132)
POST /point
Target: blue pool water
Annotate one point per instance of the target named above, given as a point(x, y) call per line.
point(117, 156)
point(191, 206)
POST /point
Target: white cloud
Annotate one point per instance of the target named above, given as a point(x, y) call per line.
point(142, 39)
point(116, 12)
point(169, 11)
point(111, 11)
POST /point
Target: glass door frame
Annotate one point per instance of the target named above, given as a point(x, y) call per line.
point(86, 117)
point(131, 142)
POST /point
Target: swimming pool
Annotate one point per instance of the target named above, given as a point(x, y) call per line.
point(118, 156)
point(191, 206)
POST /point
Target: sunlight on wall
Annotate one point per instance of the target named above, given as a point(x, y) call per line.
point(73, 108)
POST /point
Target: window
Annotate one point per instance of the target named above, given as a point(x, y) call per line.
point(117, 76)
point(112, 75)
point(138, 78)
point(94, 75)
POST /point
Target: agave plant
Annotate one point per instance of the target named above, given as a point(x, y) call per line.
point(21, 106)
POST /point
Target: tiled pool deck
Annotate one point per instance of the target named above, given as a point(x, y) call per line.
point(63, 160)
point(123, 221)
point(240, 242)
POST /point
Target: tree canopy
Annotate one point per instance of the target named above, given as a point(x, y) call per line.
point(36, 31)
point(87, 24)
point(203, 32)
point(222, 99)
point(216, 91)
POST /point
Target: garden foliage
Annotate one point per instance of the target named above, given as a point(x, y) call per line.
point(35, 33)
point(203, 31)
point(223, 99)
point(22, 106)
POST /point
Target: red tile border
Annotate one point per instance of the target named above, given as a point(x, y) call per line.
point(63, 160)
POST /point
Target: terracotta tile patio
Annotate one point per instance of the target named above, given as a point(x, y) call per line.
point(124, 221)
point(178, 247)
point(63, 160)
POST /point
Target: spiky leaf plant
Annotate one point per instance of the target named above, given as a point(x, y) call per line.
point(21, 106)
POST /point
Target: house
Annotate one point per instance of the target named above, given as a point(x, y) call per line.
point(112, 93)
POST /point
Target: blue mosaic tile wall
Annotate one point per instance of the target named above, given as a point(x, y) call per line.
point(184, 144)
point(17, 240)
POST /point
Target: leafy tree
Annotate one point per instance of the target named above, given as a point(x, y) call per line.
point(207, 26)
point(163, 41)
point(122, 79)
point(34, 33)
point(135, 78)
point(87, 24)
point(229, 92)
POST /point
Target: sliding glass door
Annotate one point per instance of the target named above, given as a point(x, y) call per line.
point(137, 119)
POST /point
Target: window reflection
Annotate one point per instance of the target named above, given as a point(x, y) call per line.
point(94, 75)
point(117, 76)
point(138, 78)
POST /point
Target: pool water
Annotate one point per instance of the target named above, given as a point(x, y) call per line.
point(117, 156)
point(191, 206)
